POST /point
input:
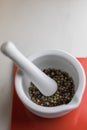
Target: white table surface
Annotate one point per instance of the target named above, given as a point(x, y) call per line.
point(35, 25)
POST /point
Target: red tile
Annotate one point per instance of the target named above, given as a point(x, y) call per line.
point(22, 119)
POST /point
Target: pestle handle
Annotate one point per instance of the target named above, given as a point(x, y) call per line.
point(45, 84)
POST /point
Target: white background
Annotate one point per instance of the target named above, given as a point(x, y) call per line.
point(35, 25)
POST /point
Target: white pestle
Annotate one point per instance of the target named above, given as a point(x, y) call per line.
point(45, 84)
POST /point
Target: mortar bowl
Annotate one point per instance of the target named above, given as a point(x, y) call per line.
point(57, 59)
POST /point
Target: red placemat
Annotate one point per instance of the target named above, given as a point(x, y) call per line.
point(22, 119)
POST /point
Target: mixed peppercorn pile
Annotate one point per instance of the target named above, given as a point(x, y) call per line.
point(64, 93)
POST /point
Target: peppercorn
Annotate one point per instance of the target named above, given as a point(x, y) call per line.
point(64, 93)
